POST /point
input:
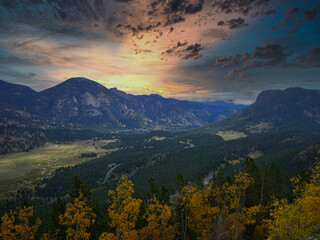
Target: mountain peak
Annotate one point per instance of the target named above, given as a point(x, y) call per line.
point(156, 96)
point(266, 94)
point(76, 81)
point(76, 85)
point(291, 91)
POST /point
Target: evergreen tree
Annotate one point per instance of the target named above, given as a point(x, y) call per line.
point(253, 192)
point(164, 196)
point(77, 187)
point(55, 228)
point(153, 188)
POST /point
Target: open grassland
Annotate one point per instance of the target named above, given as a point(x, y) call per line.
point(22, 169)
point(231, 135)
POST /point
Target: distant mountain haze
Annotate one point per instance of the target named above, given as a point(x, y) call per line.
point(83, 103)
point(277, 110)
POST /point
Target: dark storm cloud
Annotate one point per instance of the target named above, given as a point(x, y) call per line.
point(191, 9)
point(182, 6)
point(220, 23)
point(310, 14)
point(272, 54)
point(243, 6)
point(174, 19)
point(267, 56)
point(309, 60)
point(230, 61)
point(172, 49)
point(236, 23)
point(137, 29)
point(192, 51)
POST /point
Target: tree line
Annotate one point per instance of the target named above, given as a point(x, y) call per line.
point(256, 203)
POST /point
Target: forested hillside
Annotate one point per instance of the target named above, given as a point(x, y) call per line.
point(257, 203)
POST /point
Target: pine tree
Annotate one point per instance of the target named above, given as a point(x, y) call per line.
point(77, 187)
point(57, 231)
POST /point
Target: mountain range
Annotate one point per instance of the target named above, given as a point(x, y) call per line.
point(66, 112)
point(281, 128)
point(274, 111)
point(80, 103)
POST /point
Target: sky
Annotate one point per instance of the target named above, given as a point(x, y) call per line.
point(202, 50)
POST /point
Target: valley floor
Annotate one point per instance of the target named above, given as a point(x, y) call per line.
point(23, 170)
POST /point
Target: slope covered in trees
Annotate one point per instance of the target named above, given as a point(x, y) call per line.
point(249, 206)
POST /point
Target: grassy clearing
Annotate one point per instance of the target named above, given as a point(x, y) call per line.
point(27, 167)
point(231, 135)
point(255, 154)
point(236, 161)
point(155, 138)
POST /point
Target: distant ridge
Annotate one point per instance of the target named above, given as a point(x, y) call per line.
point(85, 104)
point(277, 110)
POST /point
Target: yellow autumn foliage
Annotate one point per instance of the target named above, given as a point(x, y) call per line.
point(295, 220)
point(124, 211)
point(78, 218)
point(233, 216)
point(16, 225)
point(159, 227)
point(200, 214)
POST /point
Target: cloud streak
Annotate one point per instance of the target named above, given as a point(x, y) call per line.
point(143, 46)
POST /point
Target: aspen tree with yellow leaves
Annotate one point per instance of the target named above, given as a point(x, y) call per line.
point(200, 214)
point(123, 211)
point(17, 225)
point(233, 216)
point(159, 224)
point(78, 218)
point(296, 220)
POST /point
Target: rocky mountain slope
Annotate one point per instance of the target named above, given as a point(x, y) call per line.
point(276, 110)
point(83, 103)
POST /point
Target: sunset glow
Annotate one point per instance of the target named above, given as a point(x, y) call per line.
point(175, 48)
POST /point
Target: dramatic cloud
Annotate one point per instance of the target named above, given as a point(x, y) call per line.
point(220, 23)
point(182, 6)
point(174, 19)
point(192, 51)
point(236, 23)
point(230, 61)
point(273, 54)
point(310, 14)
point(309, 60)
point(267, 56)
point(243, 7)
point(176, 48)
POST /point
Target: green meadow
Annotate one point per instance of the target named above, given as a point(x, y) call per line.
point(20, 170)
